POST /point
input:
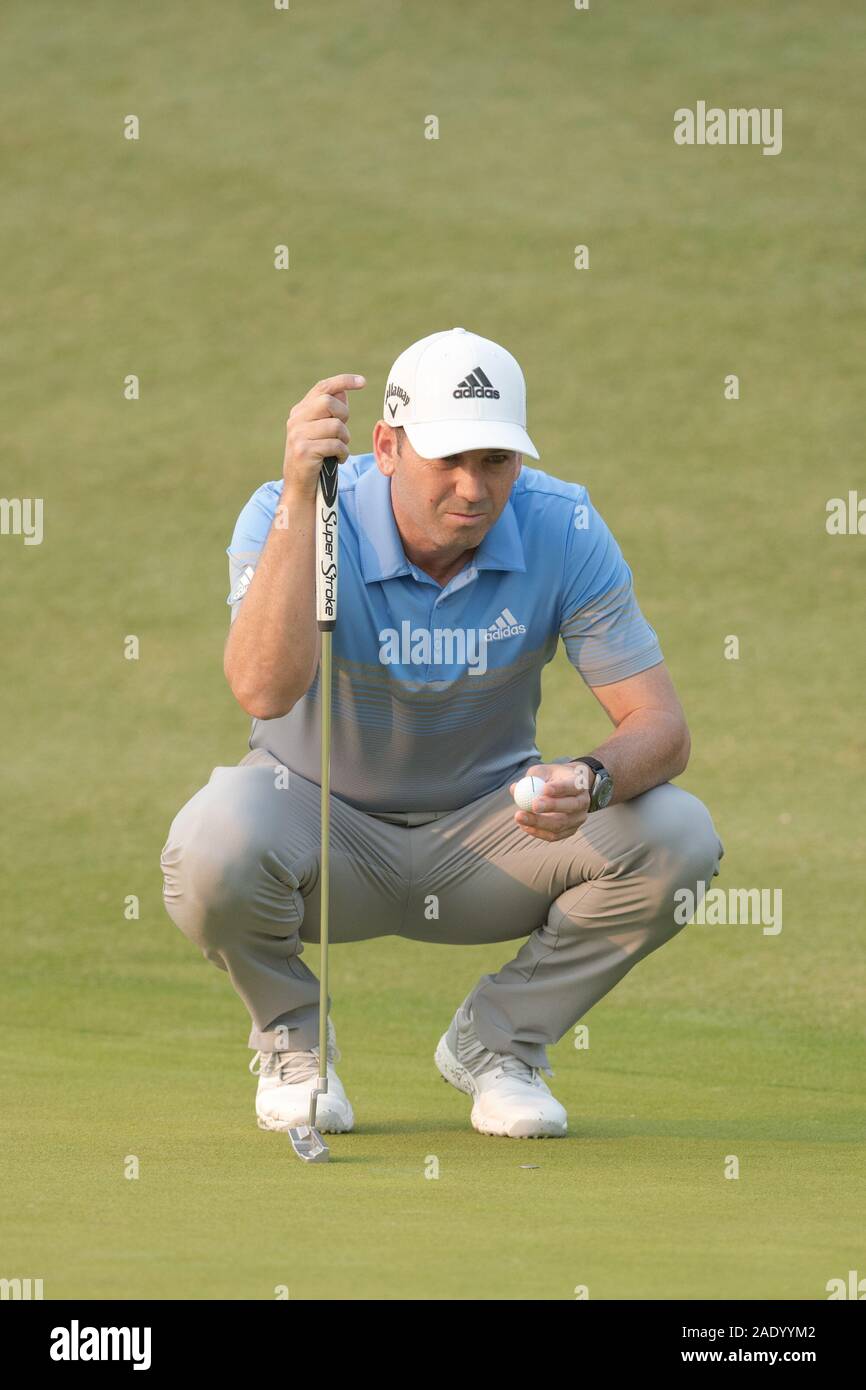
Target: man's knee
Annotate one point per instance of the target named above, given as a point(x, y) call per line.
point(678, 838)
point(219, 848)
point(210, 846)
point(654, 845)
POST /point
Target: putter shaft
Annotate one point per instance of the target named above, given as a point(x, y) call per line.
point(324, 874)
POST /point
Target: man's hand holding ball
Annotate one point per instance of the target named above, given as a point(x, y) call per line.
point(552, 799)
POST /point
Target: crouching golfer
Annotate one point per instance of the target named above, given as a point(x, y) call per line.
point(460, 569)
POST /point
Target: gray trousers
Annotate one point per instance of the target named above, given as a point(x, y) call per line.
point(241, 880)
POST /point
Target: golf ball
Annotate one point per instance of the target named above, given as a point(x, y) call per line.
point(527, 789)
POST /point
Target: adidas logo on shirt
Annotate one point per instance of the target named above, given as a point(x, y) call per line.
point(476, 384)
point(506, 625)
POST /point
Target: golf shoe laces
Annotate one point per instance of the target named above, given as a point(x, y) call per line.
point(476, 1058)
point(294, 1067)
point(514, 1066)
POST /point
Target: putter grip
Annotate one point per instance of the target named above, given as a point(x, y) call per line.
point(327, 537)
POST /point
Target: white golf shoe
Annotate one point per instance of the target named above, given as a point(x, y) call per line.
point(509, 1097)
point(286, 1083)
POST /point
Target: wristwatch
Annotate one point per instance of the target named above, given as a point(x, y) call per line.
point(602, 787)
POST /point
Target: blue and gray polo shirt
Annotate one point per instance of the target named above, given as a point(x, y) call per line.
point(436, 688)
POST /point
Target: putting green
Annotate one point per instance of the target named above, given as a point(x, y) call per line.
point(155, 258)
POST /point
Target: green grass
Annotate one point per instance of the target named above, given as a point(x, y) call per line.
point(155, 257)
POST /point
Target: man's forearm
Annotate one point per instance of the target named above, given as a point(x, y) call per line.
point(647, 748)
point(272, 650)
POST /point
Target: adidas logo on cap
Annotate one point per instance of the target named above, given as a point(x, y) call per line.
point(476, 384)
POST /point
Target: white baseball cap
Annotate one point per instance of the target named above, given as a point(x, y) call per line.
point(454, 391)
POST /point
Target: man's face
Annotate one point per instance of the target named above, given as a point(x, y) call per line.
point(449, 504)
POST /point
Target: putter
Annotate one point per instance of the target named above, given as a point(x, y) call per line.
point(306, 1140)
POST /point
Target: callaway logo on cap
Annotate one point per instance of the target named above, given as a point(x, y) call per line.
point(453, 392)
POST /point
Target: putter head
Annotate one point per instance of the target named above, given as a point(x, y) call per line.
point(309, 1145)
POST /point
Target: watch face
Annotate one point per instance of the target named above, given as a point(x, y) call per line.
point(603, 790)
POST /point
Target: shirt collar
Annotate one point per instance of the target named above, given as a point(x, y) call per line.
point(381, 548)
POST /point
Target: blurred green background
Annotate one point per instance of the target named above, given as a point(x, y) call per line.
point(155, 257)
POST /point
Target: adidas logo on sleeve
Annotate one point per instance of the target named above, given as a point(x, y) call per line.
point(242, 585)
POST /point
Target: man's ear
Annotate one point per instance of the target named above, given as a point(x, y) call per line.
point(385, 448)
